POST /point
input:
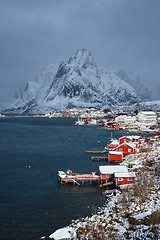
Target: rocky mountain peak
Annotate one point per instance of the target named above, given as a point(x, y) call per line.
point(82, 59)
point(77, 82)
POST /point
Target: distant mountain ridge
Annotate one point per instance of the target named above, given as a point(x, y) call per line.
point(76, 83)
point(140, 88)
point(9, 99)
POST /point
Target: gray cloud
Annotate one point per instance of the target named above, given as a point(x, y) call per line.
point(120, 34)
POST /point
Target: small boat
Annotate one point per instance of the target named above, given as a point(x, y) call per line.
point(80, 122)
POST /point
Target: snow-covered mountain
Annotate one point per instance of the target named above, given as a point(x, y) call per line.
point(148, 106)
point(141, 90)
point(9, 99)
point(76, 83)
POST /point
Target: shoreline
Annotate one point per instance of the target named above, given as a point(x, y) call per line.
point(119, 217)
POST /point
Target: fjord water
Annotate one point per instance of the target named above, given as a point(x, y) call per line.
point(32, 203)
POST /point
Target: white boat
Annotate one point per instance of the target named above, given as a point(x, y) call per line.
point(79, 122)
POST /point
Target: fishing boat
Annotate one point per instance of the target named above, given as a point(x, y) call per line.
point(80, 122)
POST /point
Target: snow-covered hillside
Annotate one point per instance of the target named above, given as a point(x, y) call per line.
point(152, 105)
point(78, 82)
point(9, 99)
point(139, 86)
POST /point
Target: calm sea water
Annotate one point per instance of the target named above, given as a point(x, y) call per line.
point(32, 203)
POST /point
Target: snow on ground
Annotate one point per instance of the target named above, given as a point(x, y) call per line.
point(62, 233)
point(114, 219)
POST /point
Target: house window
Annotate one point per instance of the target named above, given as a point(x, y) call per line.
point(129, 150)
point(130, 179)
point(120, 179)
point(120, 149)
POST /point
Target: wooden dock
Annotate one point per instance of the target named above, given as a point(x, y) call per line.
point(99, 158)
point(114, 161)
point(97, 152)
point(106, 184)
point(78, 179)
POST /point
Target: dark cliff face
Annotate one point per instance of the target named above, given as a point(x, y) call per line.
point(77, 83)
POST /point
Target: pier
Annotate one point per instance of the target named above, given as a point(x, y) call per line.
point(78, 179)
point(99, 158)
point(106, 184)
point(97, 152)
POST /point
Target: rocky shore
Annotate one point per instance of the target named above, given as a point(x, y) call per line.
point(130, 213)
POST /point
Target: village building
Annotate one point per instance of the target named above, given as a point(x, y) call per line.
point(125, 119)
point(115, 156)
point(127, 148)
point(158, 120)
point(124, 178)
point(107, 172)
point(130, 119)
point(147, 117)
point(112, 125)
point(134, 139)
point(120, 118)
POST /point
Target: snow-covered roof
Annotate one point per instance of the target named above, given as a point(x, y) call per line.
point(114, 142)
point(62, 233)
point(130, 144)
point(61, 174)
point(131, 137)
point(124, 174)
point(116, 152)
point(147, 113)
point(134, 137)
point(110, 169)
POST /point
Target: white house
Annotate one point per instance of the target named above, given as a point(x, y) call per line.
point(121, 118)
point(125, 119)
point(147, 116)
point(130, 119)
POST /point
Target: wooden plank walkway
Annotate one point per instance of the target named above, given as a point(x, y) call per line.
point(106, 184)
point(78, 178)
point(99, 158)
point(98, 152)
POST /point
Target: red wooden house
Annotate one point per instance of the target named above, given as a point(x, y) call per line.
point(123, 178)
point(112, 125)
point(136, 139)
point(107, 172)
point(115, 156)
point(126, 148)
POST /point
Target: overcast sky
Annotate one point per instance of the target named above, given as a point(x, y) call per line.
point(121, 34)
